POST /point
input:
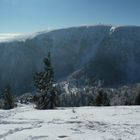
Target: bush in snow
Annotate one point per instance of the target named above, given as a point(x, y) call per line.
point(25, 98)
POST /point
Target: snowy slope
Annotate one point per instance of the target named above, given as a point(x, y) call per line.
point(87, 123)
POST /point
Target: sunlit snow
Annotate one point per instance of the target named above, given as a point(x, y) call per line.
point(85, 123)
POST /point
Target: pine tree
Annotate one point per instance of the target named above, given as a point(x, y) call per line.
point(8, 99)
point(106, 101)
point(137, 100)
point(99, 99)
point(102, 99)
point(44, 82)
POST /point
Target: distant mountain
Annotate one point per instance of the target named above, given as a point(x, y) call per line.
point(104, 52)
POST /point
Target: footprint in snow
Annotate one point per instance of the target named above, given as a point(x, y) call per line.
point(62, 136)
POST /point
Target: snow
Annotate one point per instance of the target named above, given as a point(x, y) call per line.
point(68, 88)
point(87, 123)
point(10, 37)
point(112, 29)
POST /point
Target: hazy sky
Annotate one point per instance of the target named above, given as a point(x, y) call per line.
point(24, 16)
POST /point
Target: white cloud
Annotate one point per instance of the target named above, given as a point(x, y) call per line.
point(8, 36)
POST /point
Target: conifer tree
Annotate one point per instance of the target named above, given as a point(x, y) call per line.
point(8, 99)
point(99, 99)
point(137, 100)
point(102, 99)
point(44, 82)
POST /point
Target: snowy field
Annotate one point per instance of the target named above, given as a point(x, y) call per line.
point(84, 123)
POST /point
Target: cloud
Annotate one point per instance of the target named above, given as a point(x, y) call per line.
point(8, 36)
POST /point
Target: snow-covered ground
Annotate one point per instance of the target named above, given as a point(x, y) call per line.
point(82, 123)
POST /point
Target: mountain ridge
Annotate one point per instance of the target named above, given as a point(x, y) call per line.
point(23, 37)
point(112, 56)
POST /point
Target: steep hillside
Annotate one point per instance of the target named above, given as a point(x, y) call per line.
point(105, 52)
point(117, 59)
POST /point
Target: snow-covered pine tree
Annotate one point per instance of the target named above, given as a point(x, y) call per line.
point(99, 99)
point(137, 100)
point(44, 82)
point(8, 99)
point(102, 99)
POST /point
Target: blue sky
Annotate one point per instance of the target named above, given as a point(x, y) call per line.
point(26, 16)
